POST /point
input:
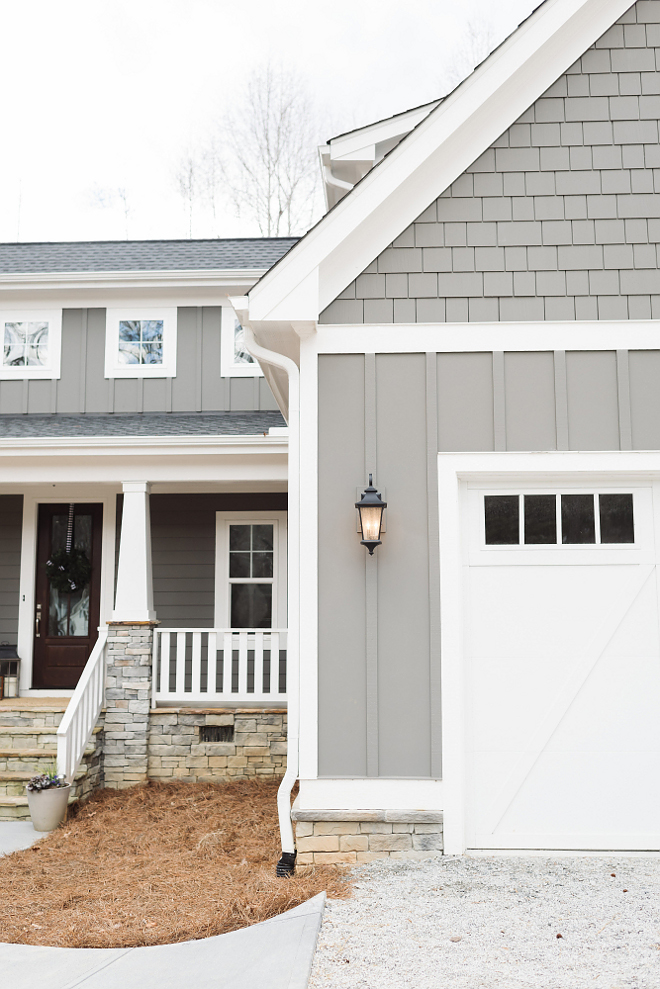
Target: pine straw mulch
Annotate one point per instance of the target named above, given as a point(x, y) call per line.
point(155, 864)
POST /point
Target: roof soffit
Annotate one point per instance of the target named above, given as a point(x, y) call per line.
point(430, 158)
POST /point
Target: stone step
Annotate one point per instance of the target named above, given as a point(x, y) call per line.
point(24, 737)
point(14, 808)
point(12, 782)
point(34, 759)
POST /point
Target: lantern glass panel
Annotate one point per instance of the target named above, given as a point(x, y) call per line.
point(371, 517)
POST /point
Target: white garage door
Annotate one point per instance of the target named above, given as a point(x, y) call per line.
point(562, 657)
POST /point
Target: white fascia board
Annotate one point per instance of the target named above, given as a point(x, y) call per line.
point(351, 146)
point(179, 446)
point(431, 157)
point(66, 280)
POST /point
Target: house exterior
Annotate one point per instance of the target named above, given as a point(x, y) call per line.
point(475, 323)
point(136, 430)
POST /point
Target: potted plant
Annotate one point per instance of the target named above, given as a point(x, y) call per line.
point(48, 796)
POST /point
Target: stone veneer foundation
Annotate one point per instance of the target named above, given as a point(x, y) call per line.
point(345, 837)
point(127, 703)
point(176, 752)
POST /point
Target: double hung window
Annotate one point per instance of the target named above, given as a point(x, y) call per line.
point(251, 570)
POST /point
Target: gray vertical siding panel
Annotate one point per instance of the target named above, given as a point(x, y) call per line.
point(11, 396)
point(184, 384)
point(593, 408)
point(97, 390)
point(403, 569)
point(465, 402)
point(266, 398)
point(154, 395)
point(342, 673)
point(39, 396)
point(213, 386)
point(530, 401)
point(644, 370)
point(11, 524)
point(126, 395)
point(68, 387)
point(242, 394)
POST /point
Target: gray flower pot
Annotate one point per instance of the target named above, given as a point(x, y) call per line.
point(48, 807)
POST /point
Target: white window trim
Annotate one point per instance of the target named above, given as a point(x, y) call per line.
point(54, 319)
point(228, 369)
point(222, 584)
point(113, 369)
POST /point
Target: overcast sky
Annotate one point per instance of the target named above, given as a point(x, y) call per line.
point(107, 94)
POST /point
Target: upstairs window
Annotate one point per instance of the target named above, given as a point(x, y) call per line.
point(140, 342)
point(30, 344)
point(235, 360)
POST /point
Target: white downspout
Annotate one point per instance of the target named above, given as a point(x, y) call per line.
point(286, 864)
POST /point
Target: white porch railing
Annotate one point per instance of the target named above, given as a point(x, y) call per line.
point(222, 665)
point(82, 713)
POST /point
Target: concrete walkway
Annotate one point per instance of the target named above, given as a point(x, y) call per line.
point(274, 955)
point(16, 835)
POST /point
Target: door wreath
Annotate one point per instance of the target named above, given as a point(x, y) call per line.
point(69, 570)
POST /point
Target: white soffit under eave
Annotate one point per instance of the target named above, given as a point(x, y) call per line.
point(431, 157)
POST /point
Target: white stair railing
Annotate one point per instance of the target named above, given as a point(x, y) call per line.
point(221, 665)
point(83, 711)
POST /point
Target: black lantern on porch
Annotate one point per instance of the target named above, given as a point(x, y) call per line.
point(370, 508)
point(9, 663)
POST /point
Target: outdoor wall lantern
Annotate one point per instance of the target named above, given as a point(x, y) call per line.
point(370, 508)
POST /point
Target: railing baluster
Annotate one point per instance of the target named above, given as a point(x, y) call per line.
point(242, 663)
point(180, 664)
point(212, 665)
point(196, 663)
point(258, 664)
point(227, 664)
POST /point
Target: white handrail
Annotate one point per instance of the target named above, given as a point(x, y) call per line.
point(82, 713)
point(222, 665)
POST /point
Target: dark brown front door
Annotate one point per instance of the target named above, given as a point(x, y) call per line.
point(66, 624)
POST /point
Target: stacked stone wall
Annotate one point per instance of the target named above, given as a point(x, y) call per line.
point(350, 837)
point(127, 697)
point(176, 751)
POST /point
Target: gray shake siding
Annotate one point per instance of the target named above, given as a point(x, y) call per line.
point(558, 220)
point(83, 388)
point(11, 524)
point(183, 551)
point(597, 400)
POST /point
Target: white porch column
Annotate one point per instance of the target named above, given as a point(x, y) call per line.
point(134, 600)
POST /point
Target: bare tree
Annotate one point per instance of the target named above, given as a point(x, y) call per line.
point(113, 198)
point(478, 40)
point(267, 154)
point(187, 179)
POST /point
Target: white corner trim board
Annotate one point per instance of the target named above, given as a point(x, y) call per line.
point(430, 158)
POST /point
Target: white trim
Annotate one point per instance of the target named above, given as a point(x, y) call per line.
point(405, 338)
point(309, 526)
point(278, 520)
point(430, 158)
point(273, 442)
point(31, 500)
point(455, 470)
point(54, 319)
point(228, 367)
point(194, 278)
point(113, 317)
point(370, 794)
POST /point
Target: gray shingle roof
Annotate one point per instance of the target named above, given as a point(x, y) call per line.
point(141, 424)
point(144, 255)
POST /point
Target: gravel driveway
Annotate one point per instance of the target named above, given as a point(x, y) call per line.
point(481, 923)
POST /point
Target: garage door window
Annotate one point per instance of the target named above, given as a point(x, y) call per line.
point(559, 519)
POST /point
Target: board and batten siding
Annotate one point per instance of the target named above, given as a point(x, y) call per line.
point(83, 387)
point(379, 657)
point(183, 551)
point(558, 220)
point(11, 526)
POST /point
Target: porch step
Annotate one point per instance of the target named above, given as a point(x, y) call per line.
point(14, 809)
point(12, 781)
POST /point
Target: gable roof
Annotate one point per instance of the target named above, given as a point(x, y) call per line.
point(428, 160)
point(144, 255)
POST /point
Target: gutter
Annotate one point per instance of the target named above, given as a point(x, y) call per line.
point(287, 863)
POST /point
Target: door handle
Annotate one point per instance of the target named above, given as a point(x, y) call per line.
point(37, 623)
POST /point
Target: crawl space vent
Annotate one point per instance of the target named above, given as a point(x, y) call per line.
point(216, 733)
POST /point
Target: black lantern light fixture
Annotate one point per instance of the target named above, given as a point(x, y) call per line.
point(370, 508)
